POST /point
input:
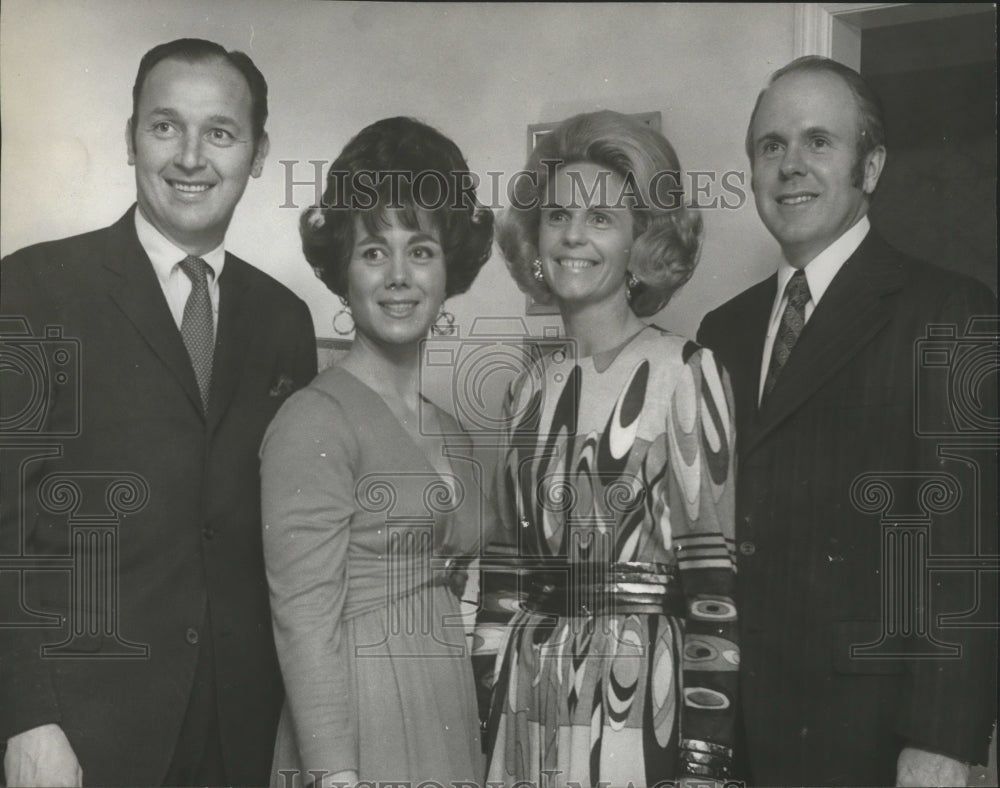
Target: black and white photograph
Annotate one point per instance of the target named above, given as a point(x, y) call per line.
point(498, 395)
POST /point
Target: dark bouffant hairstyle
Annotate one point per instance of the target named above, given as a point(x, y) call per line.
point(399, 163)
point(198, 50)
point(667, 233)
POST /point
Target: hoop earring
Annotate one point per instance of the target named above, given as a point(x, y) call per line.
point(536, 271)
point(444, 324)
point(632, 282)
point(342, 316)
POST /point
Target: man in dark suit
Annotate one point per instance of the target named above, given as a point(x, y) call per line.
point(863, 661)
point(150, 658)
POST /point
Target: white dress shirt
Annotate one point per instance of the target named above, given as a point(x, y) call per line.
point(166, 259)
point(819, 272)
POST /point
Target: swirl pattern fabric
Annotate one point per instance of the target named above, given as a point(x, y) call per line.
point(624, 457)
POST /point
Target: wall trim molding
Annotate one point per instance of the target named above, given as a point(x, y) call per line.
point(814, 24)
point(834, 29)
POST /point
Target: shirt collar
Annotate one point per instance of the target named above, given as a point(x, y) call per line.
point(821, 270)
point(164, 255)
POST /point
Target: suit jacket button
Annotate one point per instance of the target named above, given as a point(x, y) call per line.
point(747, 548)
point(207, 532)
point(191, 636)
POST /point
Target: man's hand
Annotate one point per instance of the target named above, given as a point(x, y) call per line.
point(921, 768)
point(41, 756)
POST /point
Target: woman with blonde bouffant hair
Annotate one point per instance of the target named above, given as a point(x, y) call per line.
point(615, 486)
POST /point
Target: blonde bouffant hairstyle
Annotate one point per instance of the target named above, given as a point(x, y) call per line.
point(667, 232)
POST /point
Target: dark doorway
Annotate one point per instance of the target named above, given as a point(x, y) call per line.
point(937, 197)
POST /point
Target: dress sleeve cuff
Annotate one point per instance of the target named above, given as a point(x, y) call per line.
point(706, 759)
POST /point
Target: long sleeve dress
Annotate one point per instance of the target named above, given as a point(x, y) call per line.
point(618, 470)
point(360, 533)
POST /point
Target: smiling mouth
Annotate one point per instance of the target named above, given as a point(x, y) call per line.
point(796, 199)
point(398, 308)
point(190, 188)
point(575, 263)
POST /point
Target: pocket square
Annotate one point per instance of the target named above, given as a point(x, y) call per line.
point(282, 387)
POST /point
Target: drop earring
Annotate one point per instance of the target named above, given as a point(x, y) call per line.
point(536, 271)
point(343, 321)
point(631, 283)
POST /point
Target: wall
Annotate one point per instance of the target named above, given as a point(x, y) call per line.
point(481, 73)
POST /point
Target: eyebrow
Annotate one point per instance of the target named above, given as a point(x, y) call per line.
point(168, 112)
point(809, 132)
point(417, 238)
point(224, 120)
point(555, 205)
point(771, 136)
point(821, 130)
point(165, 112)
point(424, 238)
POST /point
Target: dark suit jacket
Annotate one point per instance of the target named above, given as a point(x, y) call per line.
point(192, 549)
point(818, 569)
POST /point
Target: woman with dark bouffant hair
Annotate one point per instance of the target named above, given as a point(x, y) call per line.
point(367, 509)
point(615, 485)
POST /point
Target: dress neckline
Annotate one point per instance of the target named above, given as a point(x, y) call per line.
point(400, 427)
point(606, 358)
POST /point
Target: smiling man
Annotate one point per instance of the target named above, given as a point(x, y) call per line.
point(186, 353)
point(829, 393)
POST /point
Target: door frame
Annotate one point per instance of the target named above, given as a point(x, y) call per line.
point(834, 29)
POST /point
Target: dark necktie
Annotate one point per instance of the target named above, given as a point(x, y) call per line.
point(792, 321)
point(197, 327)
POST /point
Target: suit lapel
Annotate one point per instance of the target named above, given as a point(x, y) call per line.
point(232, 343)
point(137, 293)
point(748, 338)
point(852, 311)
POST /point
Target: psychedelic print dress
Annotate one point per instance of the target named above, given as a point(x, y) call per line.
point(615, 488)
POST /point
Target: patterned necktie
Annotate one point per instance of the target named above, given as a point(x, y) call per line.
point(792, 321)
point(197, 327)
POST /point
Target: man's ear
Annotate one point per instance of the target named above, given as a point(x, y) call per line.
point(129, 142)
point(874, 163)
point(263, 146)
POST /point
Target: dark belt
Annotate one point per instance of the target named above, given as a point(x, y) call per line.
point(586, 590)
